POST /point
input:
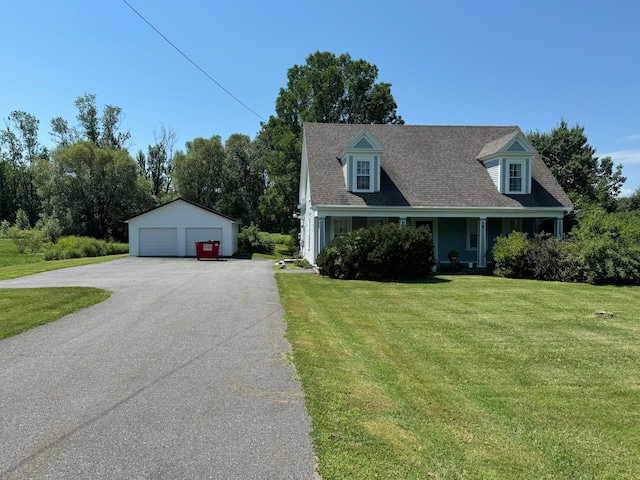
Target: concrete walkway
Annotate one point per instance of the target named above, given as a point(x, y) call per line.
point(180, 374)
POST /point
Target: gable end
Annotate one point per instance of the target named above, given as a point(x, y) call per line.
point(516, 147)
point(363, 143)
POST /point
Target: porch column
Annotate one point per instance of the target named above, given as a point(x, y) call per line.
point(558, 227)
point(482, 242)
point(403, 221)
point(321, 234)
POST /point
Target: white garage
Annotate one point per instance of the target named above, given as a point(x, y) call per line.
point(173, 229)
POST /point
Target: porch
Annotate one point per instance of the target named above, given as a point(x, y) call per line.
point(472, 238)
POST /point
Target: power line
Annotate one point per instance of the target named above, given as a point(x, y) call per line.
point(192, 62)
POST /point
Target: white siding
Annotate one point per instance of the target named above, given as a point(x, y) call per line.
point(493, 167)
point(181, 216)
point(199, 234)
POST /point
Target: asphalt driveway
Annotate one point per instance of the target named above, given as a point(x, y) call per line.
point(180, 374)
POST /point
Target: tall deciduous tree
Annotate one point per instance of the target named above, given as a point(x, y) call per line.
point(330, 89)
point(20, 152)
point(93, 190)
point(157, 165)
point(197, 173)
point(242, 182)
point(574, 163)
point(103, 131)
point(327, 89)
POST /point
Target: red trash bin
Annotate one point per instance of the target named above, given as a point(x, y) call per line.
point(210, 249)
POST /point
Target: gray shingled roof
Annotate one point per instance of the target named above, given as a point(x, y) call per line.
point(423, 166)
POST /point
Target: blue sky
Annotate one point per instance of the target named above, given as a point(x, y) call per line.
point(449, 63)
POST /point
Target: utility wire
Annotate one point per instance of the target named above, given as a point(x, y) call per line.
point(193, 63)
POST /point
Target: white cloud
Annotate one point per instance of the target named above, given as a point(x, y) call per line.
point(629, 138)
point(626, 192)
point(625, 157)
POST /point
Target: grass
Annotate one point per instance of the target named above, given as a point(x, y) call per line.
point(468, 377)
point(25, 308)
point(14, 264)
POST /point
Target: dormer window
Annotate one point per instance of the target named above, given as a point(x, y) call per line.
point(508, 162)
point(363, 175)
point(360, 161)
point(515, 177)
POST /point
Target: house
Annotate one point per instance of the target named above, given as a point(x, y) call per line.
point(172, 230)
point(469, 184)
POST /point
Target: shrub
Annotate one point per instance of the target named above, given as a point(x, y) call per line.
point(25, 239)
point(382, 252)
point(50, 228)
point(4, 228)
point(510, 255)
point(22, 220)
point(603, 249)
point(78, 247)
point(543, 258)
point(252, 240)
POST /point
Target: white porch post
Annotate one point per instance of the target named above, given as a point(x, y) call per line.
point(403, 221)
point(321, 233)
point(482, 242)
point(558, 227)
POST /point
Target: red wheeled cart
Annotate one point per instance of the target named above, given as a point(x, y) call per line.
point(210, 249)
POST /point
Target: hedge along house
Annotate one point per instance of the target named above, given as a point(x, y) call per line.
point(172, 229)
point(468, 184)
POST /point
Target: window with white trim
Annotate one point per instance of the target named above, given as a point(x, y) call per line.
point(363, 175)
point(515, 176)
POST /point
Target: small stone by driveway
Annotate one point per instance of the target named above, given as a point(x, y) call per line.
point(180, 374)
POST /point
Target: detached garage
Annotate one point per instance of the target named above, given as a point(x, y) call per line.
point(173, 229)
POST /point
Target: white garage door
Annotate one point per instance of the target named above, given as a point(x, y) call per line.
point(158, 242)
point(197, 234)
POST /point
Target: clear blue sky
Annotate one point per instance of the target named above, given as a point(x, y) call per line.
point(449, 62)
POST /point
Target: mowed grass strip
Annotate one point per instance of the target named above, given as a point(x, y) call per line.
point(25, 308)
point(468, 377)
point(15, 271)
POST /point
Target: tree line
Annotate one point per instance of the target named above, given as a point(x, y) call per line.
point(88, 183)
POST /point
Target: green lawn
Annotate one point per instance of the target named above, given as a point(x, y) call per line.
point(468, 377)
point(25, 308)
point(14, 264)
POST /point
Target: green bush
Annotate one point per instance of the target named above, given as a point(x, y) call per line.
point(78, 247)
point(544, 258)
point(382, 252)
point(603, 249)
point(252, 240)
point(25, 239)
point(510, 255)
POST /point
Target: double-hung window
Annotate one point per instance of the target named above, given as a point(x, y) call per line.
point(515, 177)
point(363, 175)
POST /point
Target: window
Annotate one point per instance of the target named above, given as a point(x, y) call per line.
point(341, 226)
point(363, 175)
point(472, 233)
point(515, 177)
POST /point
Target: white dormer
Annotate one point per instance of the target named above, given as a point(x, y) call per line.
point(508, 162)
point(360, 161)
